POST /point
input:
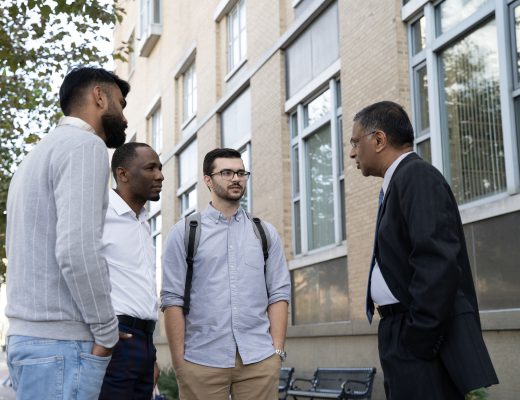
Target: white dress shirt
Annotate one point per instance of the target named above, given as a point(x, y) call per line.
point(130, 254)
point(381, 293)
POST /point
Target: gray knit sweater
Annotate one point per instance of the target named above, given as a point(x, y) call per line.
point(57, 279)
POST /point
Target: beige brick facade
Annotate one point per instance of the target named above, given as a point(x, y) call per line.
point(373, 65)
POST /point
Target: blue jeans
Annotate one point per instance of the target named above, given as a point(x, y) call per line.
point(54, 369)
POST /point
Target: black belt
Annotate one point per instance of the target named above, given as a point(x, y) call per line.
point(146, 326)
point(391, 309)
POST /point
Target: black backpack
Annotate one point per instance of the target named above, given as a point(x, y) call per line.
point(191, 242)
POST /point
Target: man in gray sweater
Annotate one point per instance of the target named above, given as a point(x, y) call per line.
point(62, 325)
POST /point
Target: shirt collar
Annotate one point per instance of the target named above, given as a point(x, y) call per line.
point(76, 122)
point(121, 207)
point(216, 215)
point(390, 171)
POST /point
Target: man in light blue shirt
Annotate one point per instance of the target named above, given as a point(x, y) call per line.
point(232, 340)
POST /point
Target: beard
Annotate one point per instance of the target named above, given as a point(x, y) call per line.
point(223, 193)
point(114, 128)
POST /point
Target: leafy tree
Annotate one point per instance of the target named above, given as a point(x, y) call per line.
point(39, 41)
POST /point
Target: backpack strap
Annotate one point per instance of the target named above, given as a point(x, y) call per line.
point(261, 233)
point(191, 242)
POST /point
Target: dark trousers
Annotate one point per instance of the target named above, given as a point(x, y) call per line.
point(129, 374)
point(407, 377)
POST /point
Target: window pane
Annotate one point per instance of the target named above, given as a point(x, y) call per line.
point(517, 114)
point(495, 260)
point(296, 171)
point(517, 36)
point(236, 121)
point(313, 51)
point(157, 131)
point(451, 12)
point(297, 228)
point(294, 125)
point(338, 94)
point(343, 210)
point(192, 199)
point(320, 194)
point(317, 108)
point(423, 114)
point(320, 293)
point(157, 11)
point(418, 35)
point(475, 151)
point(424, 150)
point(188, 165)
point(246, 158)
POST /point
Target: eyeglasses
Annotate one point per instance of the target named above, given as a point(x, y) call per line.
point(355, 142)
point(229, 174)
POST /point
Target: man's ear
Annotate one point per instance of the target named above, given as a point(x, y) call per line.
point(122, 175)
point(208, 182)
point(381, 140)
point(100, 97)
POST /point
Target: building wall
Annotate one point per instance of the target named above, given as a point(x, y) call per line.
point(373, 64)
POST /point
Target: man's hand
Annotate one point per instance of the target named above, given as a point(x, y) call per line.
point(100, 351)
point(156, 373)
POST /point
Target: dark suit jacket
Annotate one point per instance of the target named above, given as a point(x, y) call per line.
point(421, 251)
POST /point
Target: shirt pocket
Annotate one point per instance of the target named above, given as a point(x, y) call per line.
point(253, 255)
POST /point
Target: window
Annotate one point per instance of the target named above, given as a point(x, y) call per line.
point(155, 218)
point(473, 128)
point(157, 135)
point(515, 40)
point(236, 134)
point(319, 293)
point(467, 143)
point(313, 51)
point(317, 172)
point(131, 53)
point(188, 167)
point(189, 84)
point(150, 20)
point(237, 35)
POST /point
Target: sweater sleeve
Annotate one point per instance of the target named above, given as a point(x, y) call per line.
point(81, 193)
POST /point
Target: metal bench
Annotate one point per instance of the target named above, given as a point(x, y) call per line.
point(334, 383)
point(286, 374)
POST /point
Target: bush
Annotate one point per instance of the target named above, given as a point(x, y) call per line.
point(168, 384)
point(477, 394)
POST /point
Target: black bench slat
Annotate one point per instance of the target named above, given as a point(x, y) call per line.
point(336, 383)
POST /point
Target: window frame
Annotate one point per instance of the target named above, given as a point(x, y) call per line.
point(298, 141)
point(189, 93)
point(184, 189)
point(430, 56)
point(239, 12)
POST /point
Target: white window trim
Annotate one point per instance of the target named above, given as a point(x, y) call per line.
point(299, 140)
point(229, 45)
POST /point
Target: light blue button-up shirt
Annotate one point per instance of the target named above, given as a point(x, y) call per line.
point(229, 294)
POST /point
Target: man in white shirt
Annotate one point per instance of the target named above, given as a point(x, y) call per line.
point(129, 251)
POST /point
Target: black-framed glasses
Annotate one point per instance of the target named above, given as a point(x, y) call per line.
point(229, 174)
point(355, 142)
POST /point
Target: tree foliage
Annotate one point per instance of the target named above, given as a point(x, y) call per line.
point(39, 41)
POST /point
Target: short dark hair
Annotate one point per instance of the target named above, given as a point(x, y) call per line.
point(80, 78)
point(389, 117)
point(209, 158)
point(123, 155)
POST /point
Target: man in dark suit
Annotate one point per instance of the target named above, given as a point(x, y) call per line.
point(429, 336)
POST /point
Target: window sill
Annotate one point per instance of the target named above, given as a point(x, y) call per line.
point(188, 121)
point(231, 73)
point(318, 256)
